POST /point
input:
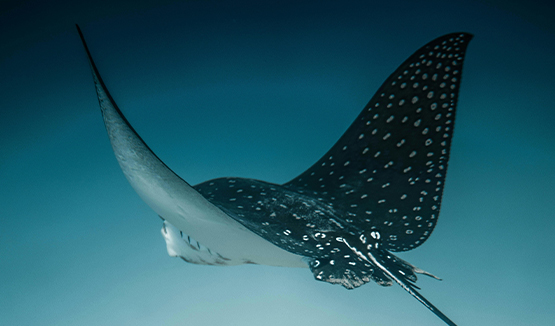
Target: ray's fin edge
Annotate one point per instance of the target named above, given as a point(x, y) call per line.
point(98, 81)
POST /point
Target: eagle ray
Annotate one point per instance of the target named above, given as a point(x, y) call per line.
point(378, 190)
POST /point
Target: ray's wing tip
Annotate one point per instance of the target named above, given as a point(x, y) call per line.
point(79, 31)
point(465, 37)
point(460, 34)
point(467, 34)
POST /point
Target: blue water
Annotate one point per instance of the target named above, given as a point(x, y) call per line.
point(262, 91)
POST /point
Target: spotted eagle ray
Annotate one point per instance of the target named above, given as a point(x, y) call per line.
point(377, 190)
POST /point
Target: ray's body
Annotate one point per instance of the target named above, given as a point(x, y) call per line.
point(377, 190)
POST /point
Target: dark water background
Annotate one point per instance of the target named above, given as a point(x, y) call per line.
point(262, 89)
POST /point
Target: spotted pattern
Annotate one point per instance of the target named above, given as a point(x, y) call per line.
point(378, 189)
point(304, 225)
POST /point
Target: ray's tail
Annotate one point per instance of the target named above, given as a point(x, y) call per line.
point(390, 267)
point(402, 272)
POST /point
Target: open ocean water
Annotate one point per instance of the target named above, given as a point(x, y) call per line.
point(262, 89)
